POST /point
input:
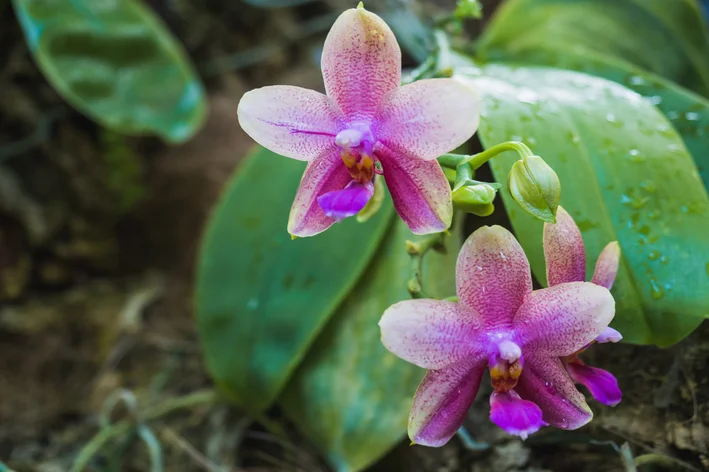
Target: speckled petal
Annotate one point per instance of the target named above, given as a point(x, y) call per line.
point(562, 319)
point(442, 401)
point(291, 121)
point(325, 174)
point(430, 333)
point(361, 63)
point(545, 382)
point(601, 383)
point(493, 275)
point(607, 265)
point(419, 189)
point(429, 118)
point(563, 250)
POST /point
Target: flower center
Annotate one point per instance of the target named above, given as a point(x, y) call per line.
point(356, 145)
point(505, 366)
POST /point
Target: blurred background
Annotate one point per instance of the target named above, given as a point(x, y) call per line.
point(99, 232)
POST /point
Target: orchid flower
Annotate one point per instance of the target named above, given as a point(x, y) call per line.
point(366, 124)
point(566, 262)
point(501, 324)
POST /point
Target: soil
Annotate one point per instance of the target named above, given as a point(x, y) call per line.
point(96, 282)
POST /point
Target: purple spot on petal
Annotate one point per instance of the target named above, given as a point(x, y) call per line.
point(341, 204)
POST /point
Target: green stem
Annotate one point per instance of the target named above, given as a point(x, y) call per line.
point(121, 428)
point(452, 161)
point(417, 250)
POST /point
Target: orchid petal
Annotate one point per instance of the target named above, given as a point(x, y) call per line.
point(601, 383)
point(545, 382)
point(514, 415)
point(361, 62)
point(340, 204)
point(419, 189)
point(322, 175)
point(493, 275)
point(443, 400)
point(291, 121)
point(609, 335)
point(430, 333)
point(607, 265)
point(563, 250)
point(562, 319)
point(429, 118)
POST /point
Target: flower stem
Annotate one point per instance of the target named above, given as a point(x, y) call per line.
point(417, 250)
point(452, 161)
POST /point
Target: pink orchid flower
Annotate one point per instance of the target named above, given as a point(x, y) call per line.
point(366, 124)
point(566, 262)
point(501, 324)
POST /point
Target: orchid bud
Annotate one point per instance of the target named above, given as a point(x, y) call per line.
point(535, 187)
point(475, 199)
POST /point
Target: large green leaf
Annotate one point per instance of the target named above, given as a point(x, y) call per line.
point(262, 298)
point(687, 111)
point(625, 176)
point(350, 396)
point(116, 62)
point(668, 38)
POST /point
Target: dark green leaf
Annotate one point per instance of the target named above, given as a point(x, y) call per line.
point(625, 176)
point(116, 62)
point(261, 298)
point(687, 111)
point(668, 38)
point(350, 396)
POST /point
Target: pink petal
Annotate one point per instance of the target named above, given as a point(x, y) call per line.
point(493, 275)
point(291, 121)
point(419, 189)
point(563, 250)
point(361, 62)
point(430, 333)
point(607, 265)
point(562, 319)
point(516, 416)
point(340, 204)
point(609, 335)
point(325, 174)
point(429, 118)
point(545, 382)
point(442, 401)
point(601, 383)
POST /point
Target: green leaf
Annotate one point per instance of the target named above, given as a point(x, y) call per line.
point(668, 38)
point(261, 298)
point(687, 111)
point(117, 63)
point(351, 397)
point(625, 175)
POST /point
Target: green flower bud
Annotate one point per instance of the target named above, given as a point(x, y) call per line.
point(535, 187)
point(475, 199)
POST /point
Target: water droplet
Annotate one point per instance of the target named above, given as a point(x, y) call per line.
point(515, 138)
point(635, 156)
point(672, 115)
point(692, 116)
point(656, 290)
point(610, 117)
point(637, 80)
point(654, 214)
point(530, 141)
point(653, 255)
point(649, 186)
point(664, 260)
point(252, 304)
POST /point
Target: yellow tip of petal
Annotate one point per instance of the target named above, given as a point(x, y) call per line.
point(360, 6)
point(413, 443)
point(293, 236)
